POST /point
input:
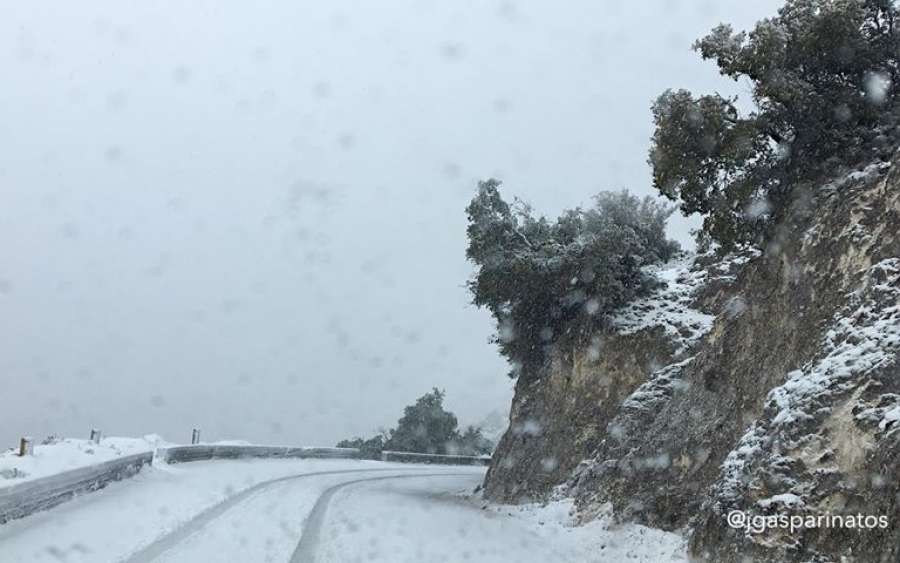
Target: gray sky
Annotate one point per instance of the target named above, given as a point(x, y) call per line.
point(249, 216)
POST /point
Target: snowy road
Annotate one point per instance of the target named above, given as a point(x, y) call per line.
point(289, 511)
point(415, 519)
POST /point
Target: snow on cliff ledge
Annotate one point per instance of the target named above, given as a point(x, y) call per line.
point(670, 306)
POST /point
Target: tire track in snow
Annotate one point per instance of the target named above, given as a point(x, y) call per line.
point(161, 545)
point(312, 528)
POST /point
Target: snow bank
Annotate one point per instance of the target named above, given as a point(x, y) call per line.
point(60, 455)
point(601, 539)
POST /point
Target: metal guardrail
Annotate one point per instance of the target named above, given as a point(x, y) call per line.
point(409, 457)
point(183, 454)
point(22, 499)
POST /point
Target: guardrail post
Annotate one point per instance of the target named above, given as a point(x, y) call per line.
point(195, 437)
point(26, 446)
point(95, 435)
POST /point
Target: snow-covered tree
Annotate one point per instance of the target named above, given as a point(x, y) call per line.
point(545, 281)
point(425, 426)
point(823, 76)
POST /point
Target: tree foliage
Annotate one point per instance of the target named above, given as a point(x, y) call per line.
point(470, 442)
point(548, 281)
point(368, 449)
point(425, 427)
point(821, 74)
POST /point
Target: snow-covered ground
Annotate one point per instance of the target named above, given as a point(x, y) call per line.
point(58, 455)
point(116, 523)
point(601, 540)
point(326, 510)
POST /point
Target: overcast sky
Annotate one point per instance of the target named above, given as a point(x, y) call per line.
point(248, 217)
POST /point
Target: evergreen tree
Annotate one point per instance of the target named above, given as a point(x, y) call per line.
point(822, 74)
point(548, 282)
point(425, 426)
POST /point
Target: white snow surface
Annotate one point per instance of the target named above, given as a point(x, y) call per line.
point(670, 306)
point(735, 465)
point(599, 540)
point(230, 443)
point(114, 523)
point(788, 500)
point(68, 453)
point(889, 418)
point(330, 510)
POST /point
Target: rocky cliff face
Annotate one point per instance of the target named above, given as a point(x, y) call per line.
point(767, 383)
point(561, 417)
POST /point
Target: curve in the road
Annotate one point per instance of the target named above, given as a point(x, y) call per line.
point(309, 541)
point(152, 551)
